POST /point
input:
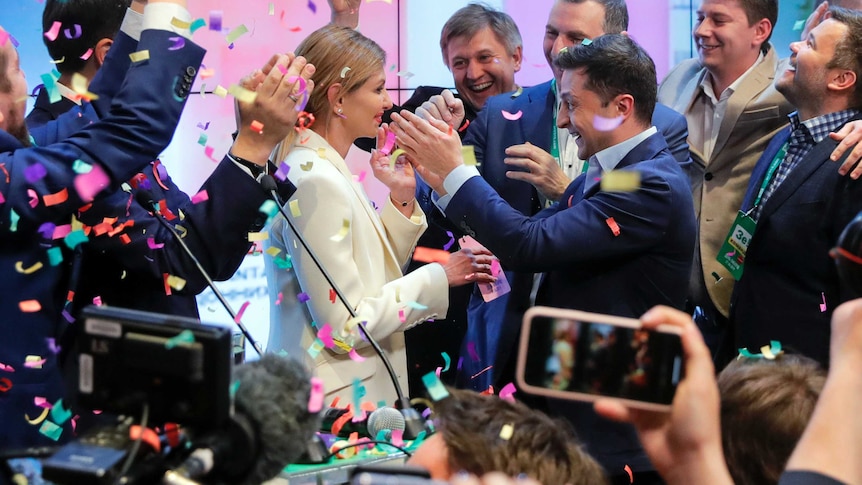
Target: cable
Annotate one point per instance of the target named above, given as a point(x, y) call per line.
point(145, 416)
point(377, 442)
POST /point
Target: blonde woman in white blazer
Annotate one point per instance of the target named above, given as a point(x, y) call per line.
point(365, 253)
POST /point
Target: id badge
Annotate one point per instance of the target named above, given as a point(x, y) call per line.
point(732, 252)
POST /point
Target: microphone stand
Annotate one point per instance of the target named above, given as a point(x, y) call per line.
point(414, 424)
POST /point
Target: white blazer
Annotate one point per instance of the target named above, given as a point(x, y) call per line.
point(367, 265)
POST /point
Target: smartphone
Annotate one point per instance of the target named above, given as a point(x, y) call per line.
point(574, 355)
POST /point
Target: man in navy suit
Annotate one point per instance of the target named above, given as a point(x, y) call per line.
point(797, 202)
point(616, 252)
point(530, 162)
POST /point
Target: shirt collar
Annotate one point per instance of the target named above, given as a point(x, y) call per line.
point(819, 127)
point(69, 93)
point(610, 157)
point(706, 82)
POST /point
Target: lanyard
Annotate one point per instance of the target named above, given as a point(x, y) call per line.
point(555, 133)
point(773, 166)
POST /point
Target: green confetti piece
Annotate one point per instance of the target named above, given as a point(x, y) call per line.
point(283, 262)
point(416, 305)
point(436, 389)
point(798, 25)
point(81, 167)
point(59, 414)
point(51, 430)
point(236, 33)
point(315, 348)
point(198, 23)
point(586, 42)
point(776, 346)
point(51, 86)
point(13, 220)
point(182, 339)
point(202, 140)
point(446, 359)
point(55, 256)
point(743, 352)
point(233, 388)
point(74, 238)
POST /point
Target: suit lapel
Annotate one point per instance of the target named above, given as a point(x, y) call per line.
point(533, 129)
point(759, 172)
point(758, 80)
point(800, 173)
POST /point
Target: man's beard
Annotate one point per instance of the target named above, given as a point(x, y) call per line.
point(18, 129)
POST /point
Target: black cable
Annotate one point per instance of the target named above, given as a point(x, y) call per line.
point(377, 442)
point(145, 416)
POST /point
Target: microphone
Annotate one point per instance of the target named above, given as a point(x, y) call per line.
point(384, 418)
point(414, 421)
point(144, 197)
point(268, 430)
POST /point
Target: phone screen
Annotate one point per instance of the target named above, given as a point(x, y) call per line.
point(600, 359)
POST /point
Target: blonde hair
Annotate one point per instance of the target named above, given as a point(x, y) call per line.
point(333, 49)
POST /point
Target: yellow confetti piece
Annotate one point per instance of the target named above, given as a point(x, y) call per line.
point(79, 85)
point(39, 419)
point(19, 267)
point(306, 166)
point(271, 8)
point(241, 94)
point(236, 33)
point(468, 153)
point(139, 56)
point(345, 228)
point(507, 431)
point(180, 23)
point(220, 91)
point(397, 294)
point(321, 152)
point(176, 282)
point(621, 181)
point(258, 236)
point(273, 251)
point(58, 61)
point(294, 208)
point(394, 157)
point(33, 362)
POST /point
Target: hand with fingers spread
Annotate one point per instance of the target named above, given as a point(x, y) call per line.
point(276, 86)
point(432, 144)
point(398, 177)
point(684, 445)
point(444, 107)
point(819, 14)
point(849, 136)
point(469, 266)
point(538, 168)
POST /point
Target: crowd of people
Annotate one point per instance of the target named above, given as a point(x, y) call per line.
point(745, 173)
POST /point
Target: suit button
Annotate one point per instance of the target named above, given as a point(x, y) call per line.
point(707, 176)
point(191, 71)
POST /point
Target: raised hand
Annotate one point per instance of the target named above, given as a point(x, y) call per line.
point(444, 107)
point(469, 266)
point(538, 168)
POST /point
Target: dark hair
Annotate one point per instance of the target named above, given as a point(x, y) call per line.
point(469, 20)
point(848, 51)
point(542, 448)
point(616, 14)
point(765, 406)
point(5, 82)
point(614, 65)
point(757, 10)
point(98, 19)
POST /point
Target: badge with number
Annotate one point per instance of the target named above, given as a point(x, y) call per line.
point(732, 252)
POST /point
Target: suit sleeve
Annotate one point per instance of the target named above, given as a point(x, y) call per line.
point(403, 233)
point(321, 220)
point(563, 235)
point(139, 126)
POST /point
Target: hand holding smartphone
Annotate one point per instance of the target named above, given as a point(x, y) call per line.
point(569, 354)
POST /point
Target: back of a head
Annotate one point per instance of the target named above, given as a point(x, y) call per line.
point(83, 24)
point(539, 447)
point(616, 14)
point(467, 21)
point(756, 10)
point(765, 406)
point(615, 64)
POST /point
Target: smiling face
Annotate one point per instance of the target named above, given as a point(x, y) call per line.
point(481, 67)
point(805, 80)
point(362, 109)
point(581, 113)
point(569, 24)
point(13, 94)
point(725, 40)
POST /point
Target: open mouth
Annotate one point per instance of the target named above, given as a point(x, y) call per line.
point(478, 88)
point(708, 47)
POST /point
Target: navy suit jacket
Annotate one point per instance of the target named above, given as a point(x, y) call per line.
point(788, 273)
point(139, 124)
point(588, 268)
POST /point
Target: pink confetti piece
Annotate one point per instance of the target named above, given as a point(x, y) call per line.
point(54, 31)
point(325, 336)
point(200, 197)
point(606, 124)
point(398, 437)
point(208, 151)
point(238, 318)
point(41, 402)
point(280, 297)
point(361, 177)
point(72, 34)
point(512, 116)
point(97, 300)
point(823, 305)
point(4, 37)
point(179, 43)
point(507, 392)
point(315, 398)
point(34, 198)
point(61, 232)
point(151, 242)
point(35, 363)
point(401, 316)
point(6, 368)
point(354, 356)
point(438, 371)
point(91, 183)
point(389, 144)
point(303, 297)
point(87, 54)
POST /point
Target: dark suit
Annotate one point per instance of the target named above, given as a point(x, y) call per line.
point(44, 110)
point(588, 268)
point(491, 134)
point(788, 271)
point(145, 113)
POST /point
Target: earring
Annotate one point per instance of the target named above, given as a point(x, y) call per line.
point(339, 111)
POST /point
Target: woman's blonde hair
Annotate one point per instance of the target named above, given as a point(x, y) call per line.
point(333, 49)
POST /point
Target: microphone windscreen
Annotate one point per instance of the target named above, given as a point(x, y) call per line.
point(267, 181)
point(384, 418)
point(273, 394)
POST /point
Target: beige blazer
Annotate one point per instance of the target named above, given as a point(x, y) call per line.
point(366, 262)
point(755, 113)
